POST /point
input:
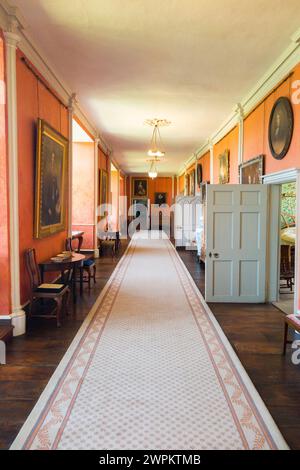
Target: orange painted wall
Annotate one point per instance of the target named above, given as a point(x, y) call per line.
point(34, 101)
point(160, 184)
point(229, 142)
point(83, 191)
point(256, 130)
point(5, 302)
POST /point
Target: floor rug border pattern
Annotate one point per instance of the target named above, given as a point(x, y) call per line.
point(261, 415)
point(44, 436)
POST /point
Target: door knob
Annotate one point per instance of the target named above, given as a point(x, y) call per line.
point(216, 255)
point(210, 255)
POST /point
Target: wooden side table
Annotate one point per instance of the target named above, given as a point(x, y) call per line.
point(77, 235)
point(68, 264)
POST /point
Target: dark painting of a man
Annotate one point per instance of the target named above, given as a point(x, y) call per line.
point(51, 203)
point(51, 181)
point(281, 128)
point(140, 187)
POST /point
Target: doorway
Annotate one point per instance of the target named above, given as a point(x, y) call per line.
point(287, 248)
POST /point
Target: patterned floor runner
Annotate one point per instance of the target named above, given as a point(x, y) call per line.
point(150, 369)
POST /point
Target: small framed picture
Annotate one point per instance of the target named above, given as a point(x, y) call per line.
point(192, 183)
point(281, 127)
point(160, 198)
point(251, 172)
point(139, 187)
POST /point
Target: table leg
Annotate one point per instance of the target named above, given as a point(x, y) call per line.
point(74, 284)
point(42, 273)
point(81, 280)
point(80, 241)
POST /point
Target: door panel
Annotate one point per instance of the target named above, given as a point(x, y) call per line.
point(236, 243)
point(222, 278)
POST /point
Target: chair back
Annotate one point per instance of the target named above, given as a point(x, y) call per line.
point(32, 268)
point(285, 259)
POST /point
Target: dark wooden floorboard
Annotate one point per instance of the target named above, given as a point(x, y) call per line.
point(32, 358)
point(255, 332)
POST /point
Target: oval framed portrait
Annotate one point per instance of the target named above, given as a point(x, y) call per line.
point(199, 174)
point(281, 126)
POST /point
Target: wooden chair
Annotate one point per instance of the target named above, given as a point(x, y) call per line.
point(88, 267)
point(59, 295)
point(108, 244)
point(286, 270)
point(292, 321)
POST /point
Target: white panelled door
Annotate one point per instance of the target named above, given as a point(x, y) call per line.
point(236, 238)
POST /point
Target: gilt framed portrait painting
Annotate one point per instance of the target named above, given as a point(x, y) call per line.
point(139, 187)
point(51, 181)
point(281, 126)
point(224, 167)
point(103, 190)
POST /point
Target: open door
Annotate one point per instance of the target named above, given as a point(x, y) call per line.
point(236, 221)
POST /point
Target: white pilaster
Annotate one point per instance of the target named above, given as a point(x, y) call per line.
point(211, 161)
point(96, 195)
point(72, 102)
point(18, 316)
point(240, 117)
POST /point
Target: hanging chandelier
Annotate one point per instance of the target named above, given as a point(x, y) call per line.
point(156, 147)
point(152, 173)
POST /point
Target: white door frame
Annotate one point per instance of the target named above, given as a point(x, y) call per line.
point(273, 273)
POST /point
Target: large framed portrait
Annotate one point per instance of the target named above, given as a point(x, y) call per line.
point(139, 187)
point(281, 126)
point(251, 172)
point(160, 198)
point(51, 181)
point(199, 174)
point(224, 167)
point(103, 190)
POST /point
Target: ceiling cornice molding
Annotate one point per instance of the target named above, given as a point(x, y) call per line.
point(11, 15)
point(270, 80)
point(187, 164)
point(203, 150)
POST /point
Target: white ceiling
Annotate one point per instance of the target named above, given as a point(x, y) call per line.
point(189, 61)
